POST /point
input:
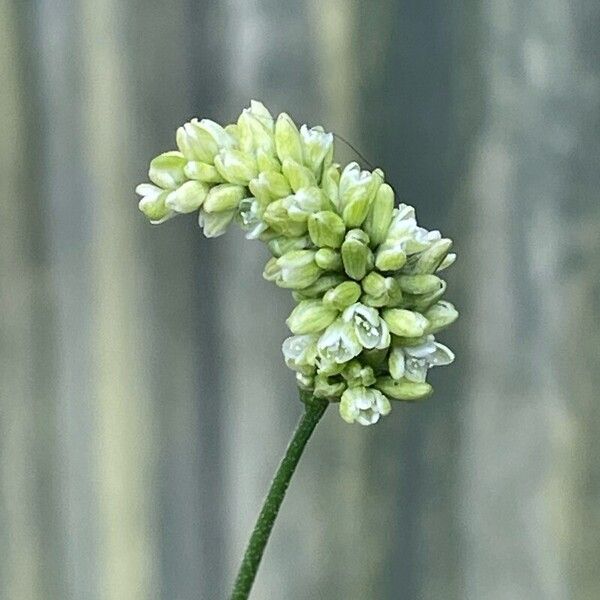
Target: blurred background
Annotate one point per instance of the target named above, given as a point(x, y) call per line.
point(144, 403)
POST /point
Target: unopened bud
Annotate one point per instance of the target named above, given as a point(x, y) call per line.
point(357, 190)
point(343, 295)
point(328, 259)
point(316, 145)
point(310, 316)
point(276, 184)
point(390, 257)
point(152, 203)
point(419, 284)
point(298, 175)
point(441, 315)
point(447, 262)
point(405, 322)
point(298, 269)
point(201, 171)
point(374, 284)
point(330, 183)
point(166, 170)
point(326, 386)
point(379, 218)
point(326, 229)
point(277, 217)
point(282, 244)
point(319, 287)
point(225, 196)
point(356, 254)
point(430, 259)
point(215, 224)
point(287, 139)
point(188, 197)
point(357, 374)
point(403, 389)
point(236, 166)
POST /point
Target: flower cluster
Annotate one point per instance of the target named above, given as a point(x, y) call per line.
point(363, 273)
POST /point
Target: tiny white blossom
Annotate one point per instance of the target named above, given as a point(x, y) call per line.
point(363, 405)
point(339, 342)
point(413, 362)
point(371, 330)
point(300, 353)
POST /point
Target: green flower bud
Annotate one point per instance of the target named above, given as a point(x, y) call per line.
point(277, 217)
point(225, 196)
point(355, 254)
point(447, 262)
point(275, 183)
point(330, 183)
point(254, 134)
point(405, 322)
point(326, 229)
point(375, 301)
point(328, 259)
point(419, 284)
point(390, 257)
point(215, 224)
point(267, 162)
point(394, 292)
point(261, 112)
point(272, 270)
point(430, 260)
point(327, 386)
point(374, 284)
point(259, 189)
point(305, 382)
point(287, 139)
point(423, 302)
point(166, 170)
point(310, 316)
point(343, 295)
point(298, 269)
point(357, 374)
point(316, 146)
point(357, 190)
point(304, 203)
point(440, 315)
point(280, 245)
point(298, 175)
point(202, 172)
point(403, 389)
point(187, 197)
point(379, 218)
point(152, 203)
point(236, 166)
point(194, 143)
point(319, 287)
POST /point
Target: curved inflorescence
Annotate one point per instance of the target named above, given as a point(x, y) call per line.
point(361, 270)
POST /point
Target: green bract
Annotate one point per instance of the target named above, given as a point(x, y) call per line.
point(363, 273)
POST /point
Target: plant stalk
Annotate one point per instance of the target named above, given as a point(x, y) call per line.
point(266, 519)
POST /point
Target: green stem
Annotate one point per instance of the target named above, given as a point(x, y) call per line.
point(266, 519)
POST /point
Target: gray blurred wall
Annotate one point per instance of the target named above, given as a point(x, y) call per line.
point(144, 403)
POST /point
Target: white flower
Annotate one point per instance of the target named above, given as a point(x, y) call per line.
point(317, 144)
point(251, 217)
point(406, 234)
point(300, 353)
point(152, 203)
point(370, 329)
point(363, 405)
point(413, 362)
point(339, 343)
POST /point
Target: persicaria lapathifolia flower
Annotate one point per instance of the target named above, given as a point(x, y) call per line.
point(362, 271)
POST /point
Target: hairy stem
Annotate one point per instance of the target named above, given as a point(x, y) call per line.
point(266, 519)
